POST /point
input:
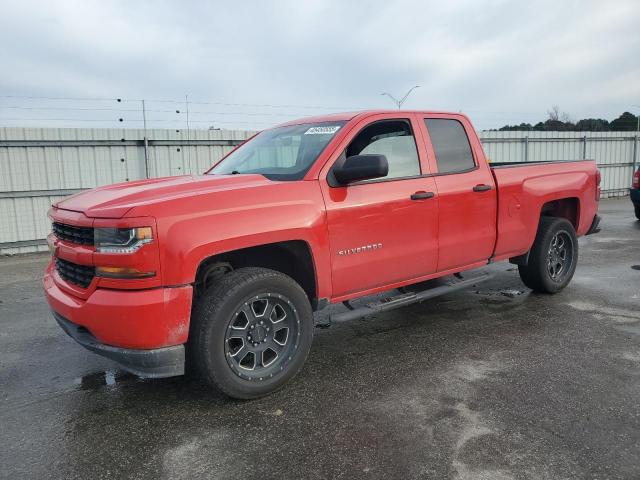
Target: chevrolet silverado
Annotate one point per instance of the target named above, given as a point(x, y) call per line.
point(222, 272)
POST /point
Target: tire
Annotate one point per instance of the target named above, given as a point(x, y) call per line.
point(548, 269)
point(226, 323)
point(637, 208)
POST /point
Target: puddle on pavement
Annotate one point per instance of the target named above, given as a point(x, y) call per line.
point(505, 292)
point(97, 380)
point(633, 328)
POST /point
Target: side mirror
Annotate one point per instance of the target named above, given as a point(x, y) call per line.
point(361, 167)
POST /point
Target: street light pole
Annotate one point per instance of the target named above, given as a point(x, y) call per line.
point(403, 99)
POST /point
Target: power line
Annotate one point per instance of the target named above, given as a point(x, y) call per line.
point(204, 102)
point(18, 107)
point(106, 120)
point(210, 102)
point(229, 104)
point(248, 114)
point(179, 112)
point(60, 98)
point(323, 107)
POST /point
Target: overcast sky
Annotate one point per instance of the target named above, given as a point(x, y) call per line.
point(498, 61)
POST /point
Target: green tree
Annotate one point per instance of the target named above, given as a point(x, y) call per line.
point(626, 122)
point(592, 125)
point(558, 121)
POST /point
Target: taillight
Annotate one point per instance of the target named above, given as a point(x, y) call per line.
point(636, 179)
point(598, 180)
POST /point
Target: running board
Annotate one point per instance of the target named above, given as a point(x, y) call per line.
point(406, 299)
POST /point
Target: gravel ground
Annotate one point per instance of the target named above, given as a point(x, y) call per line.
point(493, 382)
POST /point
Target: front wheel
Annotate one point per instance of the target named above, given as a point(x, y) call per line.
point(251, 332)
point(553, 257)
point(637, 207)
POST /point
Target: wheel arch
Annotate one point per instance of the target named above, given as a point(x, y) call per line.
point(292, 257)
point(566, 207)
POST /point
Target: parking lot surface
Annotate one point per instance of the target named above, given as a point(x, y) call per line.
point(493, 382)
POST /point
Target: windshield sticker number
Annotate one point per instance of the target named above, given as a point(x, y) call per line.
point(322, 130)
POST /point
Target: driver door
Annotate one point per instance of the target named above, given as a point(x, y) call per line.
point(383, 231)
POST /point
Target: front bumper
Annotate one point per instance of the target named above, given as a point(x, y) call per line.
point(138, 319)
point(144, 330)
point(154, 363)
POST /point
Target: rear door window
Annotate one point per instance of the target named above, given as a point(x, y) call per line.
point(450, 144)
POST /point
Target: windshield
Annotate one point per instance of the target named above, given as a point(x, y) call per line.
point(283, 153)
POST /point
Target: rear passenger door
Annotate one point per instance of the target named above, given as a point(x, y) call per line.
point(466, 193)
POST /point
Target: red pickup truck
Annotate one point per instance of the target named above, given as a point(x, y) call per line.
point(223, 271)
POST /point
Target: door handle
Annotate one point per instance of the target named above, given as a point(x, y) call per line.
point(422, 195)
point(482, 187)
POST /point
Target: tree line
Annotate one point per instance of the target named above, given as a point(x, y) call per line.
point(561, 122)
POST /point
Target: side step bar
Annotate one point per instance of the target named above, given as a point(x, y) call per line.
point(406, 299)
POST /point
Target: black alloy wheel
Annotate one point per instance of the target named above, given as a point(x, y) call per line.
point(261, 336)
point(560, 256)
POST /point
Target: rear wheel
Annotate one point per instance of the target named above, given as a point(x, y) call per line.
point(251, 332)
point(553, 257)
point(637, 207)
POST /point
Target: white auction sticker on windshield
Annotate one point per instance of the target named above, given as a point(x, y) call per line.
point(322, 130)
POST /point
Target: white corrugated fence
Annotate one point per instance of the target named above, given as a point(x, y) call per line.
point(614, 152)
point(40, 165)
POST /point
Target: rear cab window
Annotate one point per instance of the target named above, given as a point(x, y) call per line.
point(451, 145)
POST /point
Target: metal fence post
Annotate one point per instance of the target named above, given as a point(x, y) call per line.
point(636, 153)
point(186, 102)
point(584, 147)
point(526, 148)
point(146, 140)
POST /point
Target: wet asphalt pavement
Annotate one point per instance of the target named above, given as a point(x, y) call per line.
point(490, 383)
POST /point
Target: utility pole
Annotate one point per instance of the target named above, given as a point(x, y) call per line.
point(146, 140)
point(403, 99)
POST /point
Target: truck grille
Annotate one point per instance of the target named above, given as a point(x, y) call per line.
point(80, 275)
point(73, 234)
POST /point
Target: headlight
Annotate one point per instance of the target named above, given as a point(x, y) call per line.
point(121, 240)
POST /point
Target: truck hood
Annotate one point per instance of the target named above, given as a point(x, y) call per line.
point(114, 201)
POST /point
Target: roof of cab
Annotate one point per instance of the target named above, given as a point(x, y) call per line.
point(346, 116)
point(330, 117)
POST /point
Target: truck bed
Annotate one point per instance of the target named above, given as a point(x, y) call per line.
point(523, 164)
point(526, 189)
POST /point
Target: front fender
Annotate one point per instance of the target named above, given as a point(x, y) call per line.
point(224, 223)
